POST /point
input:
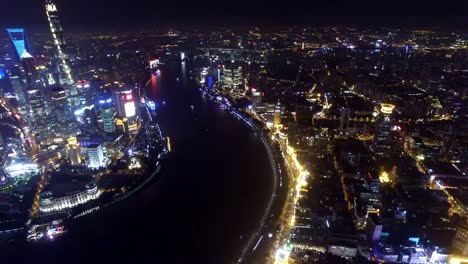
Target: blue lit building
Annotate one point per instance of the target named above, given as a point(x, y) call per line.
point(5, 85)
point(19, 40)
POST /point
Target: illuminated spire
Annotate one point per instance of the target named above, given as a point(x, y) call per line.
point(62, 61)
point(19, 40)
point(26, 55)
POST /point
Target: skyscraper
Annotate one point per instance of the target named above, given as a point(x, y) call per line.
point(23, 55)
point(29, 67)
point(73, 151)
point(19, 40)
point(63, 65)
point(60, 105)
point(381, 145)
point(277, 114)
point(95, 156)
point(107, 114)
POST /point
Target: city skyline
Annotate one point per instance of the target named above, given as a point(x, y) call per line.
point(222, 132)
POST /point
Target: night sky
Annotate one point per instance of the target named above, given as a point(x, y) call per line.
point(134, 13)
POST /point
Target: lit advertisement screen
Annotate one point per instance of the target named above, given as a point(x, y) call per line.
point(129, 109)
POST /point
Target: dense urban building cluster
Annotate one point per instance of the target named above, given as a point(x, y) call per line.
point(370, 125)
point(66, 131)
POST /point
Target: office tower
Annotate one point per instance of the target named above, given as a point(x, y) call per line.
point(256, 97)
point(277, 114)
point(60, 106)
point(124, 101)
point(37, 115)
point(5, 85)
point(19, 91)
point(63, 69)
point(95, 156)
point(23, 54)
point(73, 151)
point(107, 114)
point(29, 67)
point(381, 145)
point(19, 40)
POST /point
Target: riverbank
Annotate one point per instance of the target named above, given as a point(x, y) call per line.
point(261, 231)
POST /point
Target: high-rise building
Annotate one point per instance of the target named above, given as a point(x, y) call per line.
point(63, 70)
point(5, 85)
point(381, 145)
point(23, 51)
point(95, 156)
point(29, 67)
point(277, 114)
point(19, 40)
point(124, 101)
point(107, 114)
point(73, 151)
point(19, 91)
point(60, 106)
point(36, 107)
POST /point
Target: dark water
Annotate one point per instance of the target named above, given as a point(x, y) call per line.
point(213, 188)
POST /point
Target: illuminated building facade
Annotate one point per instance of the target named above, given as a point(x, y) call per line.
point(21, 168)
point(50, 202)
point(95, 156)
point(63, 70)
point(277, 115)
point(19, 40)
point(37, 110)
point(107, 114)
point(124, 101)
point(73, 151)
point(381, 145)
point(60, 105)
point(19, 91)
point(23, 54)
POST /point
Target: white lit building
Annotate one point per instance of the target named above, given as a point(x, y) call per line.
point(95, 156)
point(50, 203)
point(21, 168)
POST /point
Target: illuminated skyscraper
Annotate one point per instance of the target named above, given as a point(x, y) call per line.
point(73, 151)
point(277, 114)
point(29, 67)
point(124, 100)
point(63, 64)
point(19, 40)
point(107, 114)
point(95, 156)
point(60, 105)
point(23, 54)
point(382, 138)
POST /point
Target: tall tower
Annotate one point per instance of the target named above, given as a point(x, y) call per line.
point(381, 145)
point(107, 113)
point(277, 114)
point(29, 67)
point(73, 151)
point(19, 40)
point(63, 64)
point(26, 62)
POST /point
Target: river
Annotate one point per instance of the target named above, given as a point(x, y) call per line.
point(211, 193)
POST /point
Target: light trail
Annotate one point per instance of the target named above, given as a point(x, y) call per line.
point(258, 242)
